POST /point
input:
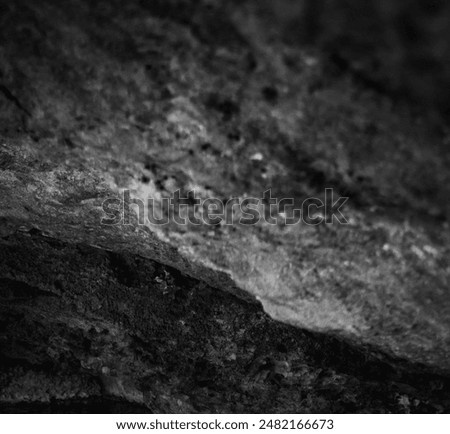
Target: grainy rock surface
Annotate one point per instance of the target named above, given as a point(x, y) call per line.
point(97, 97)
point(84, 323)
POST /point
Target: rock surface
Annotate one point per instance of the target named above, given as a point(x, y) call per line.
point(399, 47)
point(156, 96)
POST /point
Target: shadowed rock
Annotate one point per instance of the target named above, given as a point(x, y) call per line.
point(97, 97)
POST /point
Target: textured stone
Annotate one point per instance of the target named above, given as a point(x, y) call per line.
point(82, 323)
point(157, 96)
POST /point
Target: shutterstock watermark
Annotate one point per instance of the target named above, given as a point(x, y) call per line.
point(186, 208)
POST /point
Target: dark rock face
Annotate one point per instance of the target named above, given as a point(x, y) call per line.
point(83, 323)
point(398, 47)
point(97, 97)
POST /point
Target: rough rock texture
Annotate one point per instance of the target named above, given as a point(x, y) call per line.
point(97, 97)
point(86, 322)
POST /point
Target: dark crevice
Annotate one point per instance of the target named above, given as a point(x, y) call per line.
point(13, 99)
